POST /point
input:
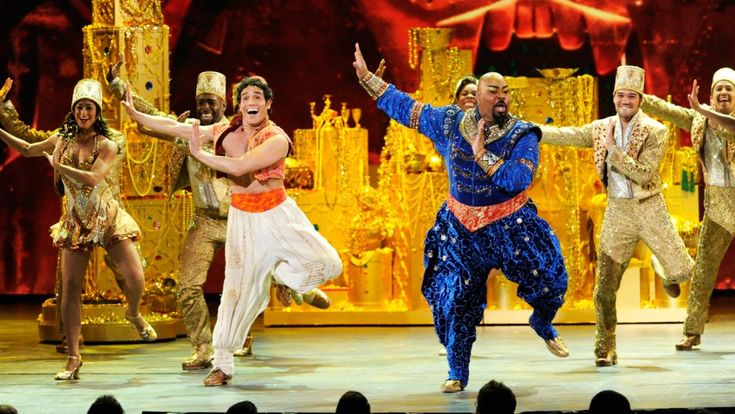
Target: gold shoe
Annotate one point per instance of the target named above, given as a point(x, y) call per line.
point(557, 347)
point(247, 348)
point(688, 342)
point(69, 374)
point(216, 378)
point(451, 386)
point(607, 361)
point(315, 297)
point(200, 359)
point(147, 334)
point(443, 351)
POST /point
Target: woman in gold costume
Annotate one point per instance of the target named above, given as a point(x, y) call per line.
point(83, 155)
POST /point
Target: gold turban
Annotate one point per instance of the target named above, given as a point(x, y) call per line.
point(211, 82)
point(723, 74)
point(87, 89)
point(630, 78)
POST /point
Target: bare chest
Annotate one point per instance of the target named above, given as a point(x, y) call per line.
point(235, 143)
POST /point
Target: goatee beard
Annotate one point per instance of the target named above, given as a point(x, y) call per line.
point(500, 119)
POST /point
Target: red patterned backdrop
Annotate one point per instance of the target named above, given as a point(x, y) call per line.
point(304, 49)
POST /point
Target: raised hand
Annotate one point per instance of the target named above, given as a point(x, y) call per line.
point(5, 89)
point(610, 136)
point(381, 69)
point(114, 70)
point(53, 158)
point(195, 140)
point(359, 64)
point(694, 97)
point(182, 116)
point(478, 141)
point(128, 103)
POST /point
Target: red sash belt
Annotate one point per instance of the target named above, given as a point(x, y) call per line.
point(474, 218)
point(258, 202)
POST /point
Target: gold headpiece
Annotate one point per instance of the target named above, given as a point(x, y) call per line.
point(723, 74)
point(630, 78)
point(87, 89)
point(211, 82)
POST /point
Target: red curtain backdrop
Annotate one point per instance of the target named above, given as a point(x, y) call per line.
point(304, 49)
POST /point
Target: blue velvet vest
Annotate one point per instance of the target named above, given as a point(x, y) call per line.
point(451, 129)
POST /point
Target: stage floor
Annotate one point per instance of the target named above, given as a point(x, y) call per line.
point(306, 369)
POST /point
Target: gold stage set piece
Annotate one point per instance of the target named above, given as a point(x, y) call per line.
point(380, 231)
point(134, 29)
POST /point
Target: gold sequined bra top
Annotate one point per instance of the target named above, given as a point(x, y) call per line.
point(68, 157)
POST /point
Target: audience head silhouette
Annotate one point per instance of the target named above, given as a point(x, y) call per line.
point(494, 397)
point(106, 404)
point(243, 407)
point(7, 409)
point(353, 402)
point(611, 402)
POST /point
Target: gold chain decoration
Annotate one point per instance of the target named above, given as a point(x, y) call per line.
point(413, 51)
point(447, 74)
point(571, 100)
point(138, 164)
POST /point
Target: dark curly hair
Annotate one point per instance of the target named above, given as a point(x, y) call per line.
point(69, 127)
point(256, 81)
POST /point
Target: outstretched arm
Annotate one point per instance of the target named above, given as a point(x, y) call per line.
point(10, 120)
point(162, 124)
point(119, 87)
point(399, 105)
point(660, 108)
point(715, 118)
point(268, 153)
point(27, 149)
point(567, 136)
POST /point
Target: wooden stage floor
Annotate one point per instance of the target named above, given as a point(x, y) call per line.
point(306, 369)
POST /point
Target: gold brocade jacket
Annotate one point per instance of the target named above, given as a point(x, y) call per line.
point(693, 121)
point(11, 122)
point(639, 161)
point(209, 193)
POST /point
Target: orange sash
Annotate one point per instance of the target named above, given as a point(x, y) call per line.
point(258, 202)
point(474, 218)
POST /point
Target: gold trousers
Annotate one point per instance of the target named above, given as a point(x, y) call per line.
point(205, 237)
point(717, 232)
point(626, 222)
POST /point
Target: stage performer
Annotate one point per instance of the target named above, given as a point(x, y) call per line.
point(465, 94)
point(10, 120)
point(488, 221)
point(628, 148)
point(268, 237)
point(465, 97)
point(206, 236)
point(717, 157)
point(83, 155)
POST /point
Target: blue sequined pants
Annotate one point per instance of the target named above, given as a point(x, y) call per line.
point(457, 263)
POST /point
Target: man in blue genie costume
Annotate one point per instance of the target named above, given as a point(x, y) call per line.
point(488, 221)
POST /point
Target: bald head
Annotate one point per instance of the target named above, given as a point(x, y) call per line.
point(493, 98)
point(492, 75)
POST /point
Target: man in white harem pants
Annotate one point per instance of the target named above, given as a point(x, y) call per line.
point(268, 236)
